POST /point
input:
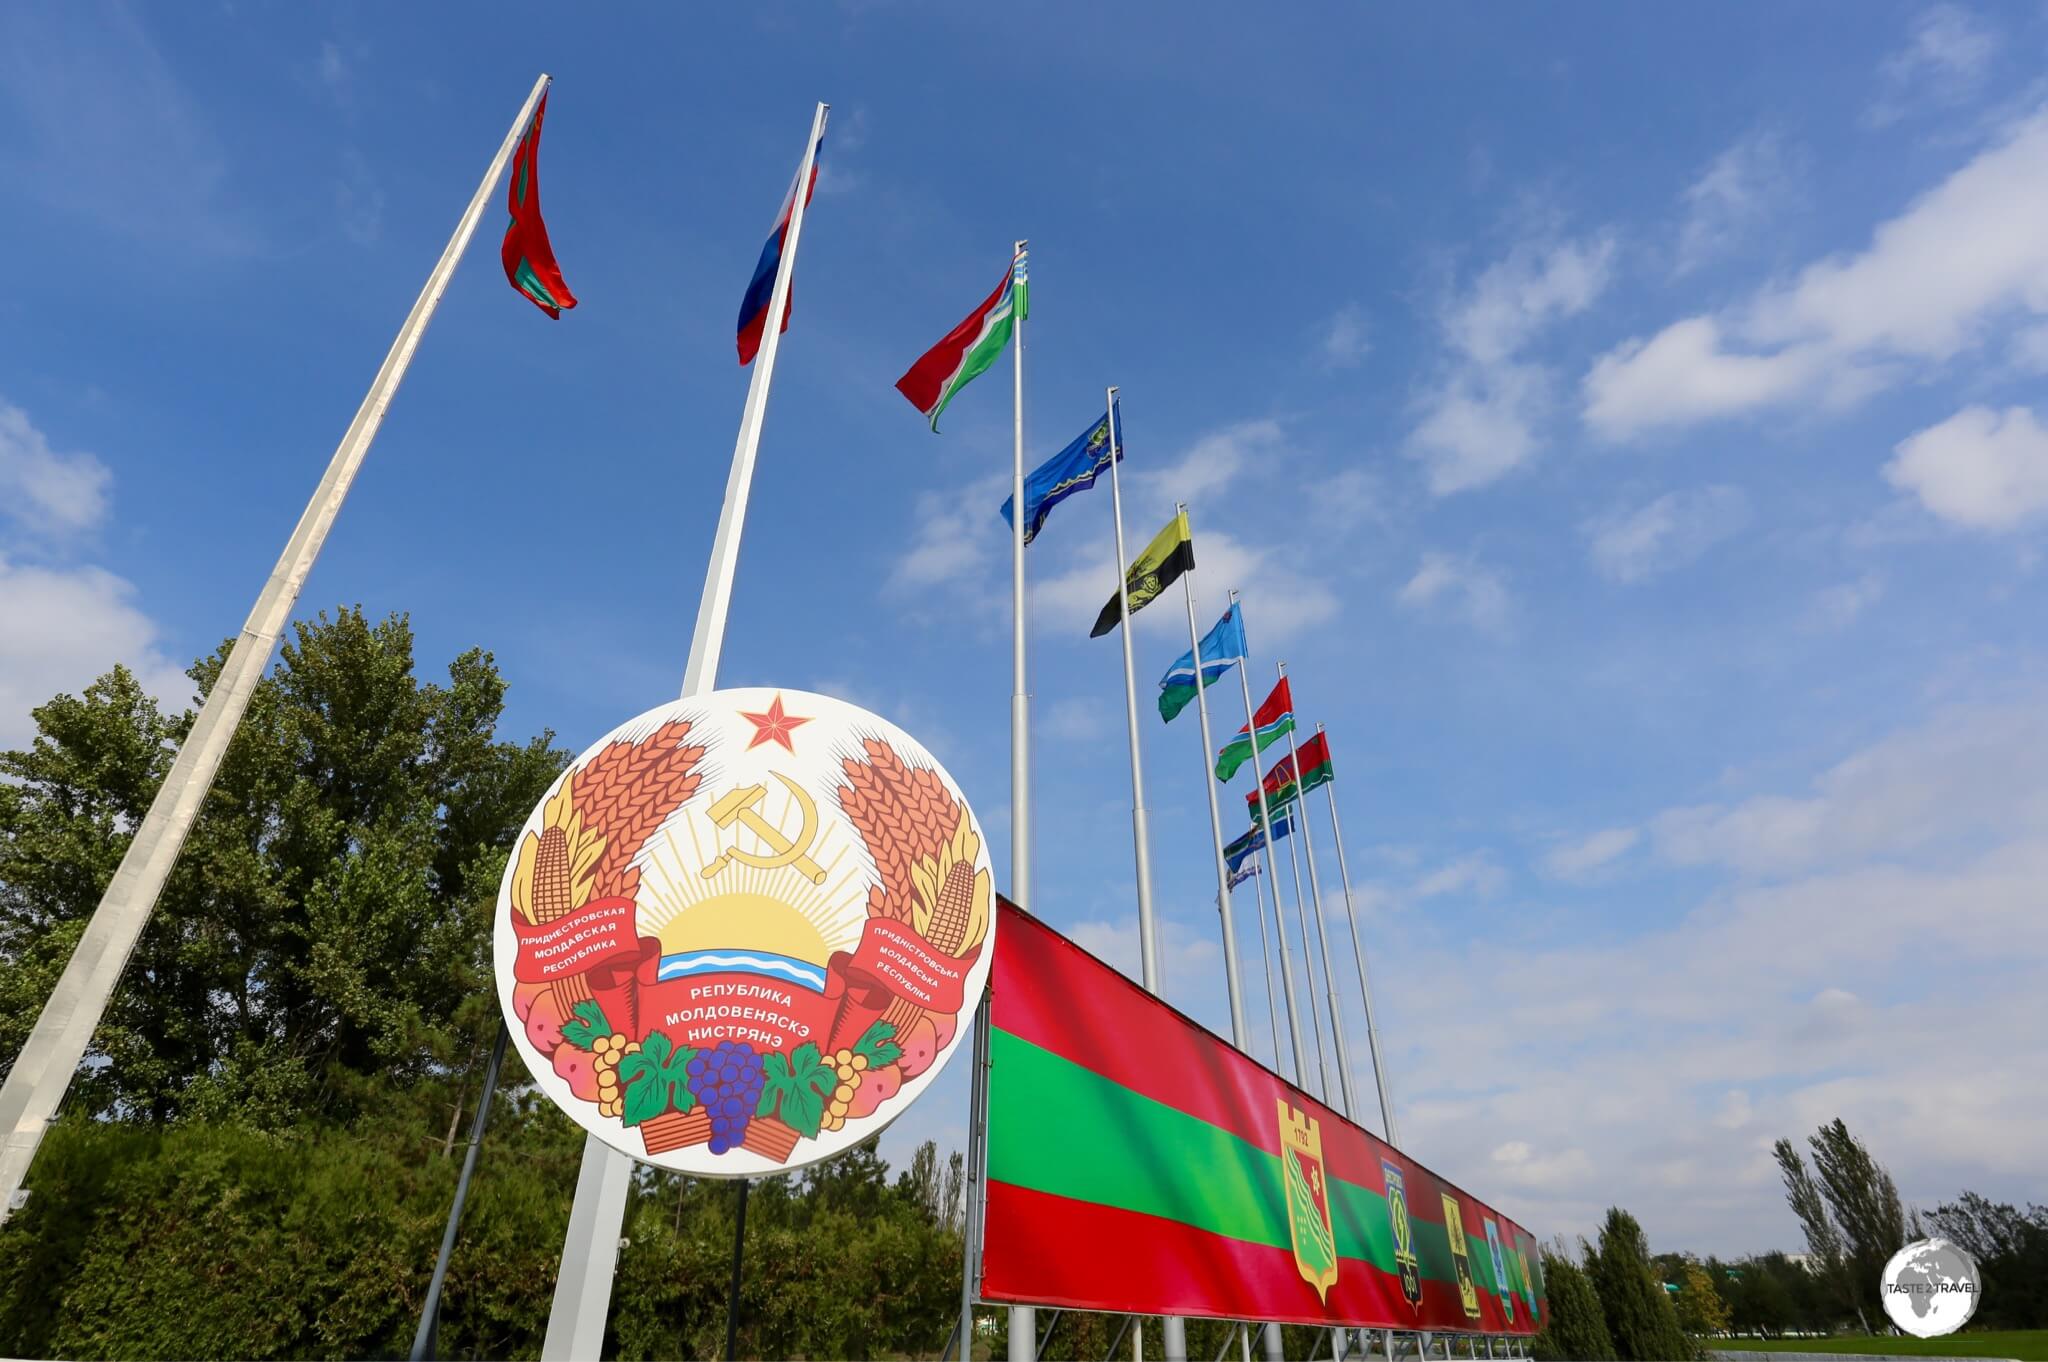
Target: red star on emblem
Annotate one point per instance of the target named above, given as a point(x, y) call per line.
point(774, 726)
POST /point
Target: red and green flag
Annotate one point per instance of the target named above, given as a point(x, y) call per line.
point(1141, 1165)
point(528, 256)
point(1274, 720)
point(966, 352)
point(1282, 786)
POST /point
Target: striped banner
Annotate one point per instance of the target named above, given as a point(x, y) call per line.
point(1139, 1164)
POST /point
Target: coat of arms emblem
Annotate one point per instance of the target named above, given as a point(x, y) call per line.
point(740, 933)
point(1501, 1285)
point(1308, 1198)
point(1461, 1256)
point(1406, 1262)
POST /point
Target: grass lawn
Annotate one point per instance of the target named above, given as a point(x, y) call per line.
point(2029, 1345)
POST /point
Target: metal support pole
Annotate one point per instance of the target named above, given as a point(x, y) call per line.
point(732, 1297)
point(1372, 1030)
point(1230, 971)
point(1308, 960)
point(1251, 721)
point(1315, 888)
point(427, 1335)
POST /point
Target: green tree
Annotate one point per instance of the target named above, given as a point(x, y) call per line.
point(1823, 1236)
point(1576, 1330)
point(1701, 1311)
point(2010, 1248)
point(323, 935)
point(1639, 1315)
point(1865, 1202)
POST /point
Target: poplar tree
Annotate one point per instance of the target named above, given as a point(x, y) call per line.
point(1640, 1318)
point(1577, 1328)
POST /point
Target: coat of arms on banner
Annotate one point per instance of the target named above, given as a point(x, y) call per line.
point(741, 932)
point(1528, 1281)
point(1454, 1226)
point(1501, 1285)
point(1406, 1261)
point(1308, 1198)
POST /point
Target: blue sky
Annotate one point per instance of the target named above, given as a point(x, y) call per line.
point(1621, 420)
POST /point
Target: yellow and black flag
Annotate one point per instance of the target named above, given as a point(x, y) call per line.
point(1171, 552)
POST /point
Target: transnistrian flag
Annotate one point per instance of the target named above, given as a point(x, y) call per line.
point(1138, 1163)
point(529, 259)
point(1171, 552)
point(1222, 649)
point(1254, 841)
point(969, 348)
point(1074, 469)
point(761, 288)
point(1281, 785)
point(1275, 720)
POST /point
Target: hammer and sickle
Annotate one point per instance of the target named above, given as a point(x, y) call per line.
point(742, 805)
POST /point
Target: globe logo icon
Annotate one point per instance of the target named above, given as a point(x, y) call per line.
point(1930, 1288)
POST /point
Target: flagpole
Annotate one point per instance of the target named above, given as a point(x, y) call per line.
point(1251, 725)
point(1266, 965)
point(1174, 1336)
point(1023, 1318)
point(1372, 1030)
point(1148, 956)
point(1308, 960)
point(1230, 974)
point(1315, 888)
point(583, 1287)
point(42, 1071)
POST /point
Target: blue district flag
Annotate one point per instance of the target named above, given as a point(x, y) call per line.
point(1223, 649)
point(1073, 469)
point(1240, 851)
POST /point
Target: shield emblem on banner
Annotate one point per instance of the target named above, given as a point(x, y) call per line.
point(1406, 1263)
point(1461, 1257)
point(1501, 1284)
point(1308, 1199)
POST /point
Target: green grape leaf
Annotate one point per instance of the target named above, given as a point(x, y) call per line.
point(655, 1078)
point(878, 1043)
point(798, 1085)
point(589, 1025)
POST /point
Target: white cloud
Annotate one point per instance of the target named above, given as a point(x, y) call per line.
point(958, 537)
point(1968, 774)
point(1077, 720)
point(1346, 342)
point(1474, 875)
point(1981, 469)
point(62, 627)
point(1944, 62)
point(1480, 421)
point(1577, 859)
point(1838, 606)
point(1631, 546)
point(1926, 288)
point(1731, 199)
point(1211, 464)
point(1461, 584)
point(42, 491)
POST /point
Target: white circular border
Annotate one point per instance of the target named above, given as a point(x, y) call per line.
point(846, 721)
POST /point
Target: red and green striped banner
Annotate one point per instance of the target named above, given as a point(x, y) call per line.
point(1137, 1163)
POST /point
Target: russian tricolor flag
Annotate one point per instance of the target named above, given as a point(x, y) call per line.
point(754, 307)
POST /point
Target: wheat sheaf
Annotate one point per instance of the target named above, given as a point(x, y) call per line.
point(924, 848)
point(595, 824)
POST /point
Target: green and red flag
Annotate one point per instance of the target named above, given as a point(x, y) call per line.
point(966, 352)
point(1140, 1165)
point(528, 256)
point(1274, 720)
point(1282, 786)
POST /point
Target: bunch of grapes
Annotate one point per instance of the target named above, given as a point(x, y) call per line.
point(605, 1054)
point(848, 1068)
point(726, 1082)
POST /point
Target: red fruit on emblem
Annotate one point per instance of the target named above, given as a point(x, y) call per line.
point(920, 1047)
point(946, 1026)
point(579, 1069)
point(544, 1024)
point(876, 1087)
point(523, 996)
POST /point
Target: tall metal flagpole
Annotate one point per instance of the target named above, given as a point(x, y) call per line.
point(1230, 974)
point(1174, 1330)
point(42, 1072)
point(1148, 948)
point(1315, 889)
point(1372, 1030)
point(1251, 722)
point(1308, 963)
point(583, 1289)
point(1023, 1318)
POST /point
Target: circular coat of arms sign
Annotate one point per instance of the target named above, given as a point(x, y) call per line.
point(744, 931)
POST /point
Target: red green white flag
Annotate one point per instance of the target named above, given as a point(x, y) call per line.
point(529, 257)
point(1141, 1165)
point(968, 349)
